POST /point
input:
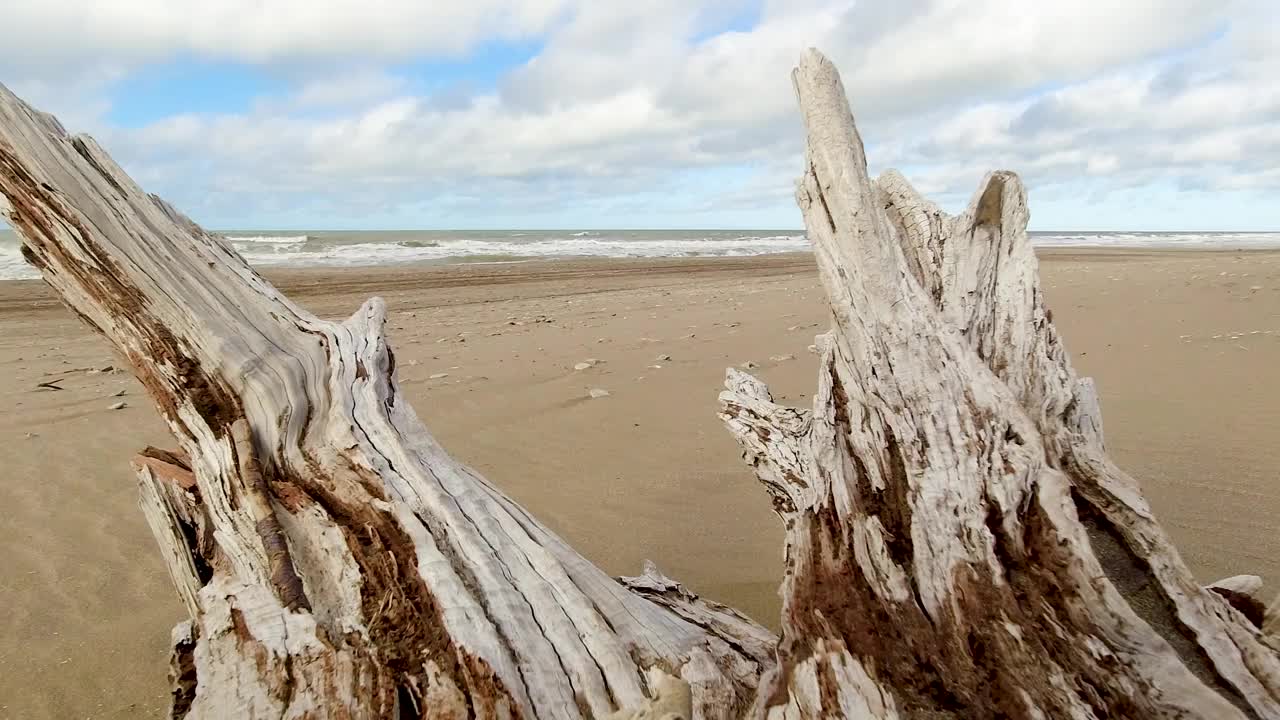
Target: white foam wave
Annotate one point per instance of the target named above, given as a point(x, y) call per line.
point(374, 249)
point(378, 253)
point(268, 239)
point(12, 266)
point(1163, 240)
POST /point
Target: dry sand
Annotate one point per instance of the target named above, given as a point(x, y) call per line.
point(1185, 347)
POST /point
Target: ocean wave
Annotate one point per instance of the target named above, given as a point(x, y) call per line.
point(359, 249)
point(374, 248)
point(12, 266)
point(269, 239)
point(1159, 240)
point(789, 238)
point(379, 253)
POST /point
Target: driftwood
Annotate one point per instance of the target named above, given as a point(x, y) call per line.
point(335, 561)
point(958, 544)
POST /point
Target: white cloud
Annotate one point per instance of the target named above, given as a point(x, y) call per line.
point(931, 53)
point(351, 87)
point(36, 32)
point(627, 102)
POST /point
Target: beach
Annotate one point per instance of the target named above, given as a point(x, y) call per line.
point(1184, 345)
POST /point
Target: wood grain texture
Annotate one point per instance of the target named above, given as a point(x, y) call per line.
point(958, 544)
point(335, 560)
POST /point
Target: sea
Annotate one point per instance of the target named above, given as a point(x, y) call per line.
point(324, 248)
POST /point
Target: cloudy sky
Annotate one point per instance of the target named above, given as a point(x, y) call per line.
point(310, 114)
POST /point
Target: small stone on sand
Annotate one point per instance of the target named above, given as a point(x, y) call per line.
point(437, 376)
point(782, 358)
point(582, 366)
point(664, 357)
point(598, 393)
point(118, 393)
point(748, 365)
point(813, 348)
point(119, 406)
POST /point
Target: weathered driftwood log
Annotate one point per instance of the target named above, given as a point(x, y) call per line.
point(335, 561)
point(958, 543)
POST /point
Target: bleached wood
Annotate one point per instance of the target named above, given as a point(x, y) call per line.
point(335, 560)
point(958, 543)
point(1250, 585)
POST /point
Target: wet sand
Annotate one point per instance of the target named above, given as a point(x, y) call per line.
point(1185, 347)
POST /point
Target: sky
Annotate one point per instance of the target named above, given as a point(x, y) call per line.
point(405, 114)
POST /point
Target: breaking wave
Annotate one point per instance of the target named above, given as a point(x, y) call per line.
point(330, 249)
point(377, 249)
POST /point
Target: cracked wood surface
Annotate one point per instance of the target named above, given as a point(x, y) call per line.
point(958, 543)
point(335, 560)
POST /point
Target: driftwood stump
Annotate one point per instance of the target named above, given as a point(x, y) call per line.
point(335, 561)
point(958, 543)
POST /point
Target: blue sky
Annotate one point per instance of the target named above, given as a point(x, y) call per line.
point(280, 114)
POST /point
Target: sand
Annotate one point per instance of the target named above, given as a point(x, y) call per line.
point(1185, 348)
